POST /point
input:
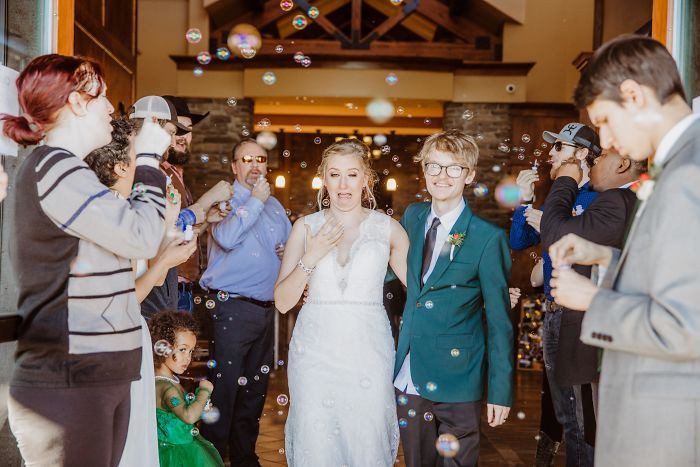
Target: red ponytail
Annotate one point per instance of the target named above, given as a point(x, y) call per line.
point(43, 88)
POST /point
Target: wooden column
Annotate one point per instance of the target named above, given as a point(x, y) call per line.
point(660, 21)
point(64, 26)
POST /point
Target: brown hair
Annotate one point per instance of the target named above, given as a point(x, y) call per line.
point(103, 160)
point(462, 146)
point(165, 325)
point(349, 147)
point(43, 88)
point(641, 59)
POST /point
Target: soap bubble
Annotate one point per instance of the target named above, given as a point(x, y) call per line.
point(286, 5)
point(193, 35)
point(503, 147)
point(264, 369)
point(299, 22)
point(194, 432)
point(282, 399)
point(211, 416)
point(281, 451)
point(306, 62)
point(279, 49)
point(385, 171)
point(204, 158)
point(379, 139)
point(525, 138)
point(210, 304)
point(391, 79)
point(427, 121)
point(242, 381)
point(211, 364)
point(189, 397)
point(231, 101)
point(428, 416)
point(297, 128)
point(197, 300)
point(537, 152)
point(455, 352)
point(222, 295)
point(313, 12)
point(411, 413)
point(508, 193)
point(481, 190)
point(222, 53)
point(303, 164)
point(400, 110)
point(389, 295)
point(269, 78)
point(467, 115)
point(286, 153)
point(317, 140)
point(403, 423)
point(521, 157)
point(204, 58)
point(266, 139)
point(395, 2)
point(521, 415)
point(386, 149)
point(299, 56)
point(280, 362)
point(389, 212)
point(198, 71)
point(430, 386)
point(162, 348)
point(447, 445)
point(496, 168)
point(380, 110)
point(248, 52)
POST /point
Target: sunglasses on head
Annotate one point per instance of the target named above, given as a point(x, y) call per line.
point(248, 158)
point(557, 146)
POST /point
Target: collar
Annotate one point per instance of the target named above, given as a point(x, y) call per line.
point(167, 165)
point(448, 219)
point(627, 185)
point(670, 138)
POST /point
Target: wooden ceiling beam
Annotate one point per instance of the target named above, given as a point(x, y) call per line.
point(390, 22)
point(439, 13)
point(326, 7)
point(417, 24)
point(356, 21)
point(325, 24)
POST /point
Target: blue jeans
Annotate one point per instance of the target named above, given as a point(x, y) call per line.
point(184, 300)
point(567, 400)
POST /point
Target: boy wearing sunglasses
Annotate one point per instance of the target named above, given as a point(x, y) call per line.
point(570, 365)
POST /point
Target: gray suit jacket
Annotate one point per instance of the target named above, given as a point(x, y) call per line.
point(649, 325)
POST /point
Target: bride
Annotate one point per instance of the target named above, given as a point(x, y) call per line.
point(341, 356)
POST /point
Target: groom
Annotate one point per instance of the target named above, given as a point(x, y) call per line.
point(458, 270)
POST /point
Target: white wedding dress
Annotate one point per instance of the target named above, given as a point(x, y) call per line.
point(341, 359)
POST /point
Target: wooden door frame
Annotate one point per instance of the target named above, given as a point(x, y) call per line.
point(64, 26)
point(660, 21)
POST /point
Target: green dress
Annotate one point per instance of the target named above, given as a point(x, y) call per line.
point(180, 444)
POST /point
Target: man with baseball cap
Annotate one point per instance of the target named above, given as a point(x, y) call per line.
point(569, 383)
point(173, 165)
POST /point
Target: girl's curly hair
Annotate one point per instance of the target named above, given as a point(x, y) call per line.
point(165, 325)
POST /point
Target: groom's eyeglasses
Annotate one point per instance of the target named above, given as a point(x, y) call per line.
point(434, 170)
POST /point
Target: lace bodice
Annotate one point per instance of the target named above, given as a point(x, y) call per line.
point(361, 278)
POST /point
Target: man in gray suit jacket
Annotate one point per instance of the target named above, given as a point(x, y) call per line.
point(646, 314)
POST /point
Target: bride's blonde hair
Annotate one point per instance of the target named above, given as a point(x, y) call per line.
point(350, 147)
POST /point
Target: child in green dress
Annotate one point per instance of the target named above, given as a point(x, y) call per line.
point(179, 441)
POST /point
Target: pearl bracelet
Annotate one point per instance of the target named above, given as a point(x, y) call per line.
point(303, 267)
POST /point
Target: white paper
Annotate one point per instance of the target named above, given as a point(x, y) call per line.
point(9, 104)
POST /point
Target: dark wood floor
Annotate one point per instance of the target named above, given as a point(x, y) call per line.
point(512, 444)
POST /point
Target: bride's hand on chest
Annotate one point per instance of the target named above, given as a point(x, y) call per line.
point(318, 245)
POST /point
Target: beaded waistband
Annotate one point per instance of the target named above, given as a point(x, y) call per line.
point(344, 302)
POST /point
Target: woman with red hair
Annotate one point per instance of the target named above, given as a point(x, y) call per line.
point(79, 342)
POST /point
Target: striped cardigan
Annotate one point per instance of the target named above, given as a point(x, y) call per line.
point(72, 247)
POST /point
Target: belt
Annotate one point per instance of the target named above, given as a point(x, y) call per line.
point(260, 303)
point(550, 306)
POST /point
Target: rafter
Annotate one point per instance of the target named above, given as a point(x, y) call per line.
point(390, 22)
point(356, 21)
point(415, 23)
point(325, 24)
point(284, 23)
point(439, 13)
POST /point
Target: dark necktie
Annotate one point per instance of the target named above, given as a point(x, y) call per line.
point(428, 247)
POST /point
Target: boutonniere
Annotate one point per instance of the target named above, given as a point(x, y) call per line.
point(455, 240)
point(645, 186)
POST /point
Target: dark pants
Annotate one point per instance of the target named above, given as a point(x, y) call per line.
point(70, 426)
point(572, 404)
point(549, 424)
point(243, 340)
point(418, 437)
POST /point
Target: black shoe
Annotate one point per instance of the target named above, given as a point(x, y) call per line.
point(546, 451)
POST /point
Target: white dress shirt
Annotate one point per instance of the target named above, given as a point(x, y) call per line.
point(671, 137)
point(403, 381)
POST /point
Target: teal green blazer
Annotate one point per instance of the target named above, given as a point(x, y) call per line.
point(451, 359)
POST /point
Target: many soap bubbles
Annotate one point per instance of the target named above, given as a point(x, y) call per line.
point(282, 399)
point(231, 101)
point(299, 22)
point(508, 193)
point(242, 381)
point(286, 5)
point(525, 138)
point(379, 139)
point(264, 369)
point(447, 445)
point(211, 364)
point(279, 49)
point(204, 58)
point(198, 71)
point(269, 78)
point(467, 115)
point(391, 79)
point(222, 53)
point(162, 348)
point(313, 12)
point(193, 35)
point(380, 110)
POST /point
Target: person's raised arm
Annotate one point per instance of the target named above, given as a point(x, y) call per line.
point(229, 233)
point(399, 251)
